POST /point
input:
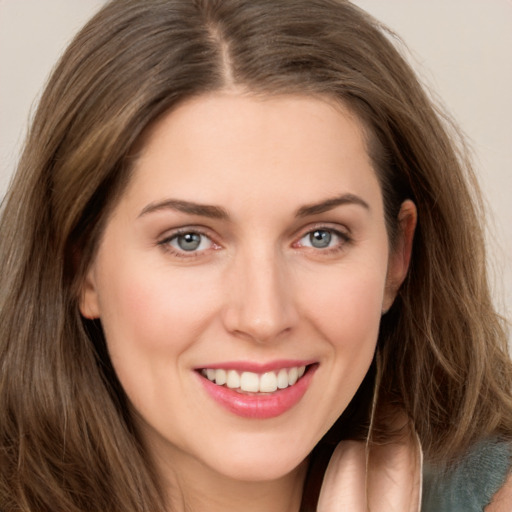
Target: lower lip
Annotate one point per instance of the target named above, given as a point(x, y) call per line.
point(259, 406)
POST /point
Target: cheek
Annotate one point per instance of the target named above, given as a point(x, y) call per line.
point(152, 308)
point(347, 308)
point(150, 319)
point(347, 316)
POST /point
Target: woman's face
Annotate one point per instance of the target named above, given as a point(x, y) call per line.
point(241, 279)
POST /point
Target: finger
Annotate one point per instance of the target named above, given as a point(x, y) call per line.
point(394, 476)
point(344, 482)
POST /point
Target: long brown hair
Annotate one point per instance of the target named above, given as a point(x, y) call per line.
point(67, 437)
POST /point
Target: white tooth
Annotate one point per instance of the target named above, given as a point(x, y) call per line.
point(210, 374)
point(302, 369)
point(293, 375)
point(282, 379)
point(233, 379)
point(249, 381)
point(220, 377)
point(268, 382)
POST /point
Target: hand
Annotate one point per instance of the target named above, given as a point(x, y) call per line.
point(382, 478)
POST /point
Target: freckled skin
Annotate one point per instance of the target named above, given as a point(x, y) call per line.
point(255, 290)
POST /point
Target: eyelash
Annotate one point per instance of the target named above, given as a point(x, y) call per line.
point(344, 239)
point(166, 243)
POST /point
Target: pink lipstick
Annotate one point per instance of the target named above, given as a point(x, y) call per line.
point(257, 391)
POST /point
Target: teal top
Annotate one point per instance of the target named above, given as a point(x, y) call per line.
point(471, 484)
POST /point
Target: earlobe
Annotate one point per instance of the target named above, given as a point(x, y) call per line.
point(400, 255)
point(88, 304)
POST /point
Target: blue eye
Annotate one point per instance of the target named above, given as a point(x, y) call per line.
point(189, 242)
point(320, 238)
point(323, 239)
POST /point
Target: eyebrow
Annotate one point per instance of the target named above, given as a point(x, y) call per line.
point(203, 210)
point(330, 204)
point(217, 212)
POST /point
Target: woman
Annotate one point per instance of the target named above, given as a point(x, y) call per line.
point(244, 268)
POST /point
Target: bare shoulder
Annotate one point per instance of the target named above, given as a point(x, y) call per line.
point(502, 500)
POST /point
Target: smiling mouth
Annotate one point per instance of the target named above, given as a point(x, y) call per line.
point(251, 382)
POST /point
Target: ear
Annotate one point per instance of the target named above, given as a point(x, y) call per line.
point(89, 303)
point(400, 254)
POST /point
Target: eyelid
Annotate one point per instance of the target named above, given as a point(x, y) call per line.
point(342, 231)
point(337, 230)
point(164, 241)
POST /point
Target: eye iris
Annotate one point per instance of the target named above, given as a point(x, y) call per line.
point(320, 238)
point(189, 241)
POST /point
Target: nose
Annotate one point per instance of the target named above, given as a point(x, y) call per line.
point(260, 302)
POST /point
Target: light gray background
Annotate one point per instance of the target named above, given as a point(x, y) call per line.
point(461, 48)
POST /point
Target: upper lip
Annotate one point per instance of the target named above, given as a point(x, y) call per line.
point(257, 367)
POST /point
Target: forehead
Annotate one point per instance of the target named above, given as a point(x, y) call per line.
point(226, 146)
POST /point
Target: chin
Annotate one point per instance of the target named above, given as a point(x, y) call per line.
point(259, 465)
point(271, 470)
